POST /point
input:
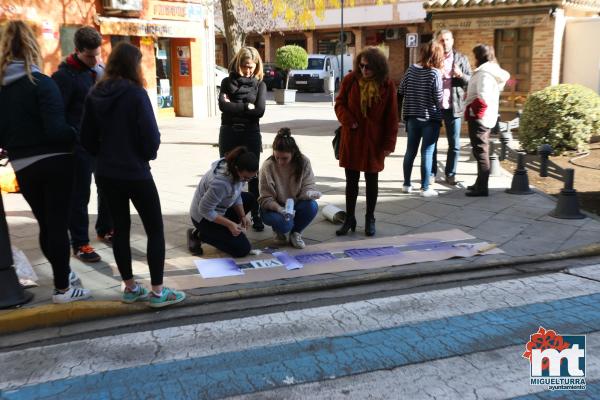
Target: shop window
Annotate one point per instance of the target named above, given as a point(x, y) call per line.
point(513, 51)
point(164, 80)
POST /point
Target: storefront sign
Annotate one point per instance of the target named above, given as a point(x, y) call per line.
point(176, 11)
point(504, 22)
point(140, 27)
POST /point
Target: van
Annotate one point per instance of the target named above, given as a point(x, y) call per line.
point(312, 78)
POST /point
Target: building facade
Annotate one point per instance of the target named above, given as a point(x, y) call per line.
point(176, 40)
point(527, 35)
point(365, 24)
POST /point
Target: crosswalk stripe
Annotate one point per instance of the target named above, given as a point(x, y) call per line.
point(169, 344)
point(263, 368)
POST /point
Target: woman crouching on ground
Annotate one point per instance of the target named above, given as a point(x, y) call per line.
point(287, 174)
point(219, 206)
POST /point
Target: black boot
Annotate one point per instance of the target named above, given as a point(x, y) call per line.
point(369, 225)
point(349, 223)
point(193, 242)
point(257, 223)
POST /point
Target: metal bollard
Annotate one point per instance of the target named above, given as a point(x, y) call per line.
point(505, 139)
point(11, 291)
point(544, 150)
point(495, 169)
point(567, 206)
point(520, 181)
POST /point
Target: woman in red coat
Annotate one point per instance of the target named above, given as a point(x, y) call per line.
point(367, 109)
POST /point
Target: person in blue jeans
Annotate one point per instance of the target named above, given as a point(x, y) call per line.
point(287, 174)
point(456, 73)
point(421, 94)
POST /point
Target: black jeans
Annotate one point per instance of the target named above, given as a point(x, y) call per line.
point(220, 237)
point(232, 136)
point(46, 185)
point(144, 196)
point(372, 182)
point(78, 217)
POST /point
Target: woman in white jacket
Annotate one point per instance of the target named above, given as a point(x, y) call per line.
point(481, 113)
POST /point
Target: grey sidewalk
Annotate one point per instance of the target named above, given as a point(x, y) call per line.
point(519, 225)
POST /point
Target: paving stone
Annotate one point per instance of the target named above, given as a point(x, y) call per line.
point(519, 223)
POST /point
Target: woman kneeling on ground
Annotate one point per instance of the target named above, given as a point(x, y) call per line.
point(219, 206)
point(285, 175)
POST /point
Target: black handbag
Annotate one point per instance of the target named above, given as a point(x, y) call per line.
point(336, 142)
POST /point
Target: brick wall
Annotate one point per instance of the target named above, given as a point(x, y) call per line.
point(542, 57)
point(397, 59)
point(464, 41)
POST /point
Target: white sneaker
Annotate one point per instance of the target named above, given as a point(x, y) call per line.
point(407, 189)
point(71, 295)
point(280, 238)
point(296, 240)
point(429, 193)
point(74, 279)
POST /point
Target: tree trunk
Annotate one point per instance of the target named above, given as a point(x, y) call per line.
point(234, 34)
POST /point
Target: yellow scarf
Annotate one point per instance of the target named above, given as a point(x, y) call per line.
point(369, 93)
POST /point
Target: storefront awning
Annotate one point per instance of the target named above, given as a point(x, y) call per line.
point(451, 5)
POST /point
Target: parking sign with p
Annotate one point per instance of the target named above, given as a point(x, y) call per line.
point(412, 40)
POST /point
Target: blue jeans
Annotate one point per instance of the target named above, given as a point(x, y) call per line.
point(306, 210)
point(452, 125)
point(417, 130)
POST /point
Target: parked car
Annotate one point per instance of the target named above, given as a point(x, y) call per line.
point(313, 78)
point(273, 77)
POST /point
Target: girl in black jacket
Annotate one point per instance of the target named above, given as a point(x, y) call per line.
point(242, 102)
point(39, 143)
point(119, 128)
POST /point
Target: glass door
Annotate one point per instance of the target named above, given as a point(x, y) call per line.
point(164, 81)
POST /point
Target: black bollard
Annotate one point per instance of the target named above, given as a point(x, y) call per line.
point(567, 206)
point(11, 291)
point(495, 169)
point(505, 139)
point(520, 181)
point(544, 151)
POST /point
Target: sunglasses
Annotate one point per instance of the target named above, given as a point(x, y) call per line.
point(364, 66)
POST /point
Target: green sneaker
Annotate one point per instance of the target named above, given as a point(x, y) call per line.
point(169, 296)
point(141, 294)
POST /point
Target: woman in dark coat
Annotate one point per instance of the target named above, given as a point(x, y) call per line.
point(367, 109)
point(40, 144)
point(242, 103)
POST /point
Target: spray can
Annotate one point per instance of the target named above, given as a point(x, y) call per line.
point(289, 208)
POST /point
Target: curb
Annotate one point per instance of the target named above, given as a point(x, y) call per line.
point(49, 315)
point(57, 315)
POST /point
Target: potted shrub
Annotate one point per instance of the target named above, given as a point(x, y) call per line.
point(287, 58)
point(564, 116)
